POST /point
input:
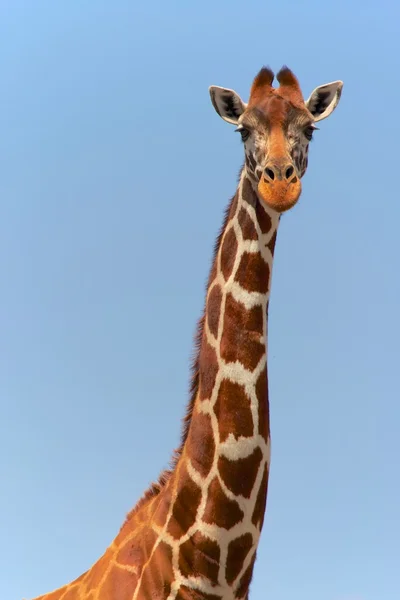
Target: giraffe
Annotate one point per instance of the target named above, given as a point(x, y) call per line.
point(194, 534)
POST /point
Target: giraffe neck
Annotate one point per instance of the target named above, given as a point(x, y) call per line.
point(227, 450)
point(195, 533)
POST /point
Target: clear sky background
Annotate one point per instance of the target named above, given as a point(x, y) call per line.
point(115, 171)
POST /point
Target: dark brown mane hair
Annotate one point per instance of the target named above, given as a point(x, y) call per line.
point(156, 487)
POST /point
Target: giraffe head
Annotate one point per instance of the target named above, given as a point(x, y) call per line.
point(276, 127)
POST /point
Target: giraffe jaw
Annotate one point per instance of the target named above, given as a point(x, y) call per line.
point(280, 195)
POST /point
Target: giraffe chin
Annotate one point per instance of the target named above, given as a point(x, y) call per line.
point(280, 195)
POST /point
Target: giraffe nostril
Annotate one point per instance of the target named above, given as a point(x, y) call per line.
point(269, 172)
point(289, 172)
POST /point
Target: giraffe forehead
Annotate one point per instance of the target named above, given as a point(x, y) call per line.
point(275, 110)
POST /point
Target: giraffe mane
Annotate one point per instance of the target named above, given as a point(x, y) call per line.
point(156, 487)
point(195, 368)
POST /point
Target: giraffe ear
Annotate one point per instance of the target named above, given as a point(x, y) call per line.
point(324, 99)
point(227, 103)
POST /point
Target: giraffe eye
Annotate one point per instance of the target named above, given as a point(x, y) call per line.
point(243, 132)
point(308, 132)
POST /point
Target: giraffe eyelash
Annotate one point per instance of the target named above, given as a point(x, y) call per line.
point(244, 132)
point(308, 132)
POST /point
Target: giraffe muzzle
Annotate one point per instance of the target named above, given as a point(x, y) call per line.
point(279, 186)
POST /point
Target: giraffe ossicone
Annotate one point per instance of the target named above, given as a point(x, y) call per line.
point(194, 533)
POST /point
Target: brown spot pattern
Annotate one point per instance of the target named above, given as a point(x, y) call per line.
point(213, 273)
point(137, 551)
point(239, 344)
point(232, 410)
point(272, 242)
point(238, 549)
point(185, 506)
point(245, 581)
point(247, 226)
point(220, 510)
point(200, 443)
point(263, 404)
point(119, 583)
point(259, 508)
point(157, 576)
point(228, 253)
point(239, 475)
point(131, 553)
point(233, 206)
point(94, 576)
point(208, 369)
point(163, 504)
point(263, 218)
point(214, 309)
point(253, 273)
point(239, 317)
point(186, 593)
point(248, 193)
point(199, 556)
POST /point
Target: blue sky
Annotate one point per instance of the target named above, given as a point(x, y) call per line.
point(115, 174)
